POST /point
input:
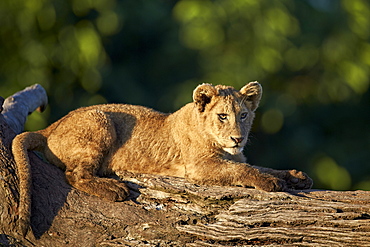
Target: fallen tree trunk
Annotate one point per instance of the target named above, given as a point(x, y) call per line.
point(167, 211)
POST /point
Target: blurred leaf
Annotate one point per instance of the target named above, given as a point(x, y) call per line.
point(330, 174)
point(272, 121)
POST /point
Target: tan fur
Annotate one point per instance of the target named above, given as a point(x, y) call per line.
point(202, 142)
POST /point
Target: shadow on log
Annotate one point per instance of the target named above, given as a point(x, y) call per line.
point(167, 211)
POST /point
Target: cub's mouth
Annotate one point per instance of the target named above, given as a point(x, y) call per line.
point(234, 150)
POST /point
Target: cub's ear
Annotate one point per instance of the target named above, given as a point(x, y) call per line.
point(252, 93)
point(202, 95)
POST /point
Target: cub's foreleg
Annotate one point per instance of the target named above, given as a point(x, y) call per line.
point(80, 143)
point(215, 171)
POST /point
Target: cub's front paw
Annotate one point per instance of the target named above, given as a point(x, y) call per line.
point(270, 183)
point(297, 180)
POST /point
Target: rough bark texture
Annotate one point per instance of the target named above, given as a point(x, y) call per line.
point(9, 195)
point(164, 211)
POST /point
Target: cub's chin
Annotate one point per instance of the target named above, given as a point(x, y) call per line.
point(234, 150)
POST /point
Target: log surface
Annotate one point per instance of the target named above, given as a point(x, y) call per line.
point(167, 211)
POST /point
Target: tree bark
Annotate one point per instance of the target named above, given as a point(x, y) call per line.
point(167, 211)
point(17, 107)
point(9, 190)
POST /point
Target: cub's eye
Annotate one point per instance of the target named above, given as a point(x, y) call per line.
point(243, 115)
point(222, 116)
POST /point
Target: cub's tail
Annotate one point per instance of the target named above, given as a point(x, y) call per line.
point(20, 146)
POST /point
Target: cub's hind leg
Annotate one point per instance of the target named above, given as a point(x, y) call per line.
point(84, 179)
point(80, 144)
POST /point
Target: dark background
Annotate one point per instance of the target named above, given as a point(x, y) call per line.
point(311, 56)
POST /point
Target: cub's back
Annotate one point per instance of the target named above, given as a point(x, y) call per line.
point(139, 112)
point(120, 114)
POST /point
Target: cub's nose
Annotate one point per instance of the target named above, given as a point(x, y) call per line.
point(237, 140)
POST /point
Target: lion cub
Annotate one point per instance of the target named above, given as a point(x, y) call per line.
point(202, 142)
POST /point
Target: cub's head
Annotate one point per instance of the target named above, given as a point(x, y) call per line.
point(227, 114)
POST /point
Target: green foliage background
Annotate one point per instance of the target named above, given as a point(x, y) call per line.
point(312, 57)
